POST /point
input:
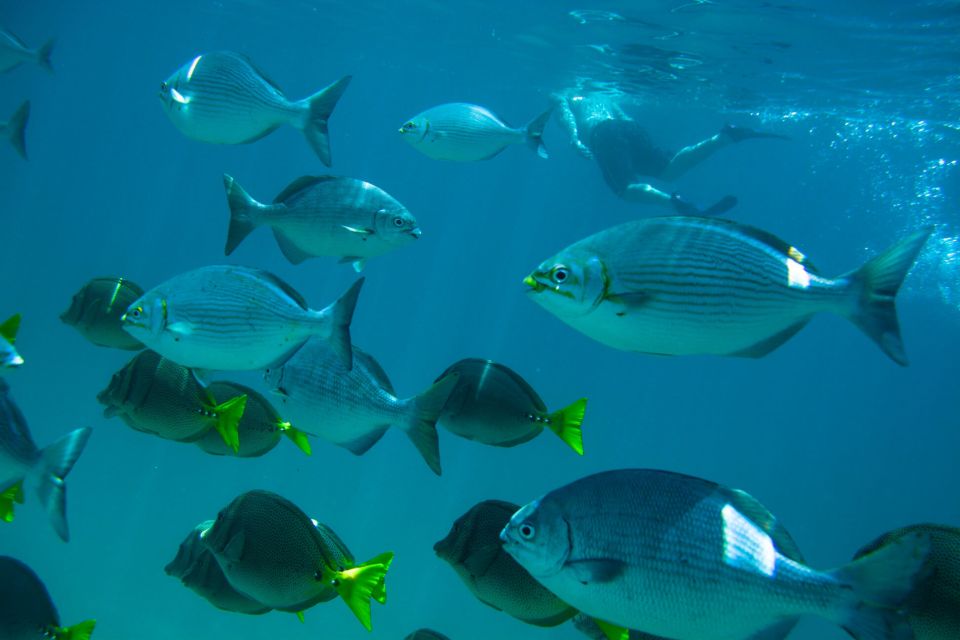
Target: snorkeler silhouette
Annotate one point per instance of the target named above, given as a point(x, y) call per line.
point(600, 129)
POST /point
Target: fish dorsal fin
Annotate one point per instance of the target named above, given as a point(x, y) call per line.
point(286, 288)
point(765, 237)
point(370, 363)
point(750, 508)
point(300, 184)
point(8, 330)
point(259, 71)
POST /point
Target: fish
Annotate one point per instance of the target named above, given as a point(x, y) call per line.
point(260, 427)
point(198, 570)
point(426, 634)
point(96, 309)
point(686, 285)
point(155, 395)
point(26, 610)
point(15, 129)
point(467, 132)
point(353, 409)
point(228, 318)
point(223, 98)
point(933, 607)
point(9, 357)
point(720, 562)
point(323, 216)
point(492, 404)
point(13, 52)
point(271, 551)
point(472, 548)
point(46, 469)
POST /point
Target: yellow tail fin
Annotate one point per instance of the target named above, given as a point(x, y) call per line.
point(8, 330)
point(296, 436)
point(359, 584)
point(7, 498)
point(228, 415)
point(613, 631)
point(380, 591)
point(79, 631)
point(566, 424)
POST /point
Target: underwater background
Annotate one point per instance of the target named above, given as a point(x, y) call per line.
point(835, 439)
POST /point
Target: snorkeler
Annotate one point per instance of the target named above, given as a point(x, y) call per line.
point(600, 129)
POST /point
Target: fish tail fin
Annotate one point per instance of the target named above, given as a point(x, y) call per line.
point(80, 631)
point(422, 425)
point(566, 424)
point(228, 415)
point(534, 131)
point(10, 496)
point(56, 461)
point(297, 437)
point(342, 314)
point(357, 585)
point(10, 327)
point(43, 55)
point(17, 129)
point(243, 210)
point(877, 283)
point(320, 105)
point(379, 592)
point(881, 581)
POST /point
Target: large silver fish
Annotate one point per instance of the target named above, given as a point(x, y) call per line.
point(26, 610)
point(9, 357)
point(689, 559)
point(354, 408)
point(686, 285)
point(221, 97)
point(15, 129)
point(45, 469)
point(235, 319)
point(324, 216)
point(13, 52)
point(467, 132)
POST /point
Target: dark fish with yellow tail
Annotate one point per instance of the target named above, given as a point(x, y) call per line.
point(158, 396)
point(271, 551)
point(687, 285)
point(260, 427)
point(492, 404)
point(46, 469)
point(96, 309)
point(26, 610)
point(933, 607)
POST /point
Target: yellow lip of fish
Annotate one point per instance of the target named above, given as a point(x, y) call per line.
point(534, 284)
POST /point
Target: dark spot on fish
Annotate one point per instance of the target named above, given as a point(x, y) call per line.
point(318, 576)
point(620, 314)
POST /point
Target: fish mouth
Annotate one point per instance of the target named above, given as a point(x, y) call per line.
point(535, 285)
point(415, 233)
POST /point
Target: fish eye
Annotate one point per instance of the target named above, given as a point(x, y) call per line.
point(408, 126)
point(527, 532)
point(398, 222)
point(163, 86)
point(136, 313)
point(559, 274)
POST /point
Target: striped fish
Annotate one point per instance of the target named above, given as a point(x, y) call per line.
point(353, 409)
point(230, 318)
point(13, 52)
point(46, 469)
point(15, 129)
point(223, 98)
point(324, 216)
point(686, 285)
point(467, 132)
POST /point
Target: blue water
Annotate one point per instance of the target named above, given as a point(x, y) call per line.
point(833, 437)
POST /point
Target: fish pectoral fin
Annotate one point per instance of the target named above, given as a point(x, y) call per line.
point(596, 570)
point(612, 631)
point(630, 300)
point(365, 231)
point(182, 328)
point(234, 549)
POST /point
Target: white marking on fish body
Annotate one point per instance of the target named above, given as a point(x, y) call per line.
point(745, 546)
point(193, 66)
point(797, 275)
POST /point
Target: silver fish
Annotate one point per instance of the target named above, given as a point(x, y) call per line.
point(467, 132)
point(689, 559)
point(26, 610)
point(9, 358)
point(235, 319)
point(353, 409)
point(46, 469)
point(686, 285)
point(96, 309)
point(221, 97)
point(324, 216)
point(13, 52)
point(15, 129)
